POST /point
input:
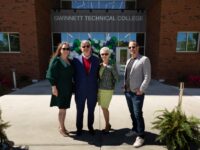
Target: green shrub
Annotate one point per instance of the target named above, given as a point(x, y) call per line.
point(177, 130)
point(3, 126)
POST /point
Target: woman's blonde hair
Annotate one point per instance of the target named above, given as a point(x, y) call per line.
point(105, 49)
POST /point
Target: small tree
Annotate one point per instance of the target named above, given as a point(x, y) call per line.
point(176, 129)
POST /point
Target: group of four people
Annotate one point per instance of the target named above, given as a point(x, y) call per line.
point(94, 80)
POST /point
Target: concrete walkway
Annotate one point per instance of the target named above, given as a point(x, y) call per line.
point(35, 124)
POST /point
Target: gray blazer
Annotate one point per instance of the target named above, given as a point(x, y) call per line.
point(140, 74)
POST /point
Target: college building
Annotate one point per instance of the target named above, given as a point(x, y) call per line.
point(167, 32)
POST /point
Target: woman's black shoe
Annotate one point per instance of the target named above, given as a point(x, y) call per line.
point(78, 132)
point(107, 129)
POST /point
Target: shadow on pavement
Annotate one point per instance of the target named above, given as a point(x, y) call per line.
point(117, 137)
point(114, 138)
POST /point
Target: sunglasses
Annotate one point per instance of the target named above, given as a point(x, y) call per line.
point(88, 46)
point(104, 54)
point(133, 47)
point(66, 49)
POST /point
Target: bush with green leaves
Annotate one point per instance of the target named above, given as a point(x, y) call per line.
point(177, 130)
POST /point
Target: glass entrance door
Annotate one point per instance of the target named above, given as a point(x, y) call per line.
point(122, 55)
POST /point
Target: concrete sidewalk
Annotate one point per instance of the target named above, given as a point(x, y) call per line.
point(35, 124)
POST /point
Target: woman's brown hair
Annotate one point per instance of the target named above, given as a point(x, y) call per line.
point(57, 52)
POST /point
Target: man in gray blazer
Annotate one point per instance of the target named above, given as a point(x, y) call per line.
point(137, 78)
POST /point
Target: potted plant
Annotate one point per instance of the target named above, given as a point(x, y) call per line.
point(177, 130)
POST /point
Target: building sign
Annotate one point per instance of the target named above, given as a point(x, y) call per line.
point(98, 18)
point(98, 21)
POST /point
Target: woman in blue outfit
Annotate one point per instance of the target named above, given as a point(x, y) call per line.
point(60, 74)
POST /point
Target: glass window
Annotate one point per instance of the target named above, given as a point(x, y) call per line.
point(4, 46)
point(74, 40)
point(98, 36)
point(72, 37)
point(141, 50)
point(99, 39)
point(9, 42)
point(133, 36)
point(123, 56)
point(140, 39)
point(64, 37)
point(98, 4)
point(130, 4)
point(187, 42)
point(14, 42)
point(84, 36)
point(112, 40)
point(181, 42)
point(123, 39)
point(56, 40)
point(66, 4)
point(192, 41)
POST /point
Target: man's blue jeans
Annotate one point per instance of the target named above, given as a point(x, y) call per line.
point(135, 104)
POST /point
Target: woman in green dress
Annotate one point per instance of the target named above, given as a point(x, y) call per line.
point(60, 75)
point(108, 76)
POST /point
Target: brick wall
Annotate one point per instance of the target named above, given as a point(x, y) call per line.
point(152, 34)
point(31, 18)
point(43, 17)
point(176, 16)
point(179, 15)
point(19, 16)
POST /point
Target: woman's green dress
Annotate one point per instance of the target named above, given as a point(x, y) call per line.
point(60, 74)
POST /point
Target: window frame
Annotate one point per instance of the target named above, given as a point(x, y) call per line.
point(90, 1)
point(9, 44)
point(186, 48)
